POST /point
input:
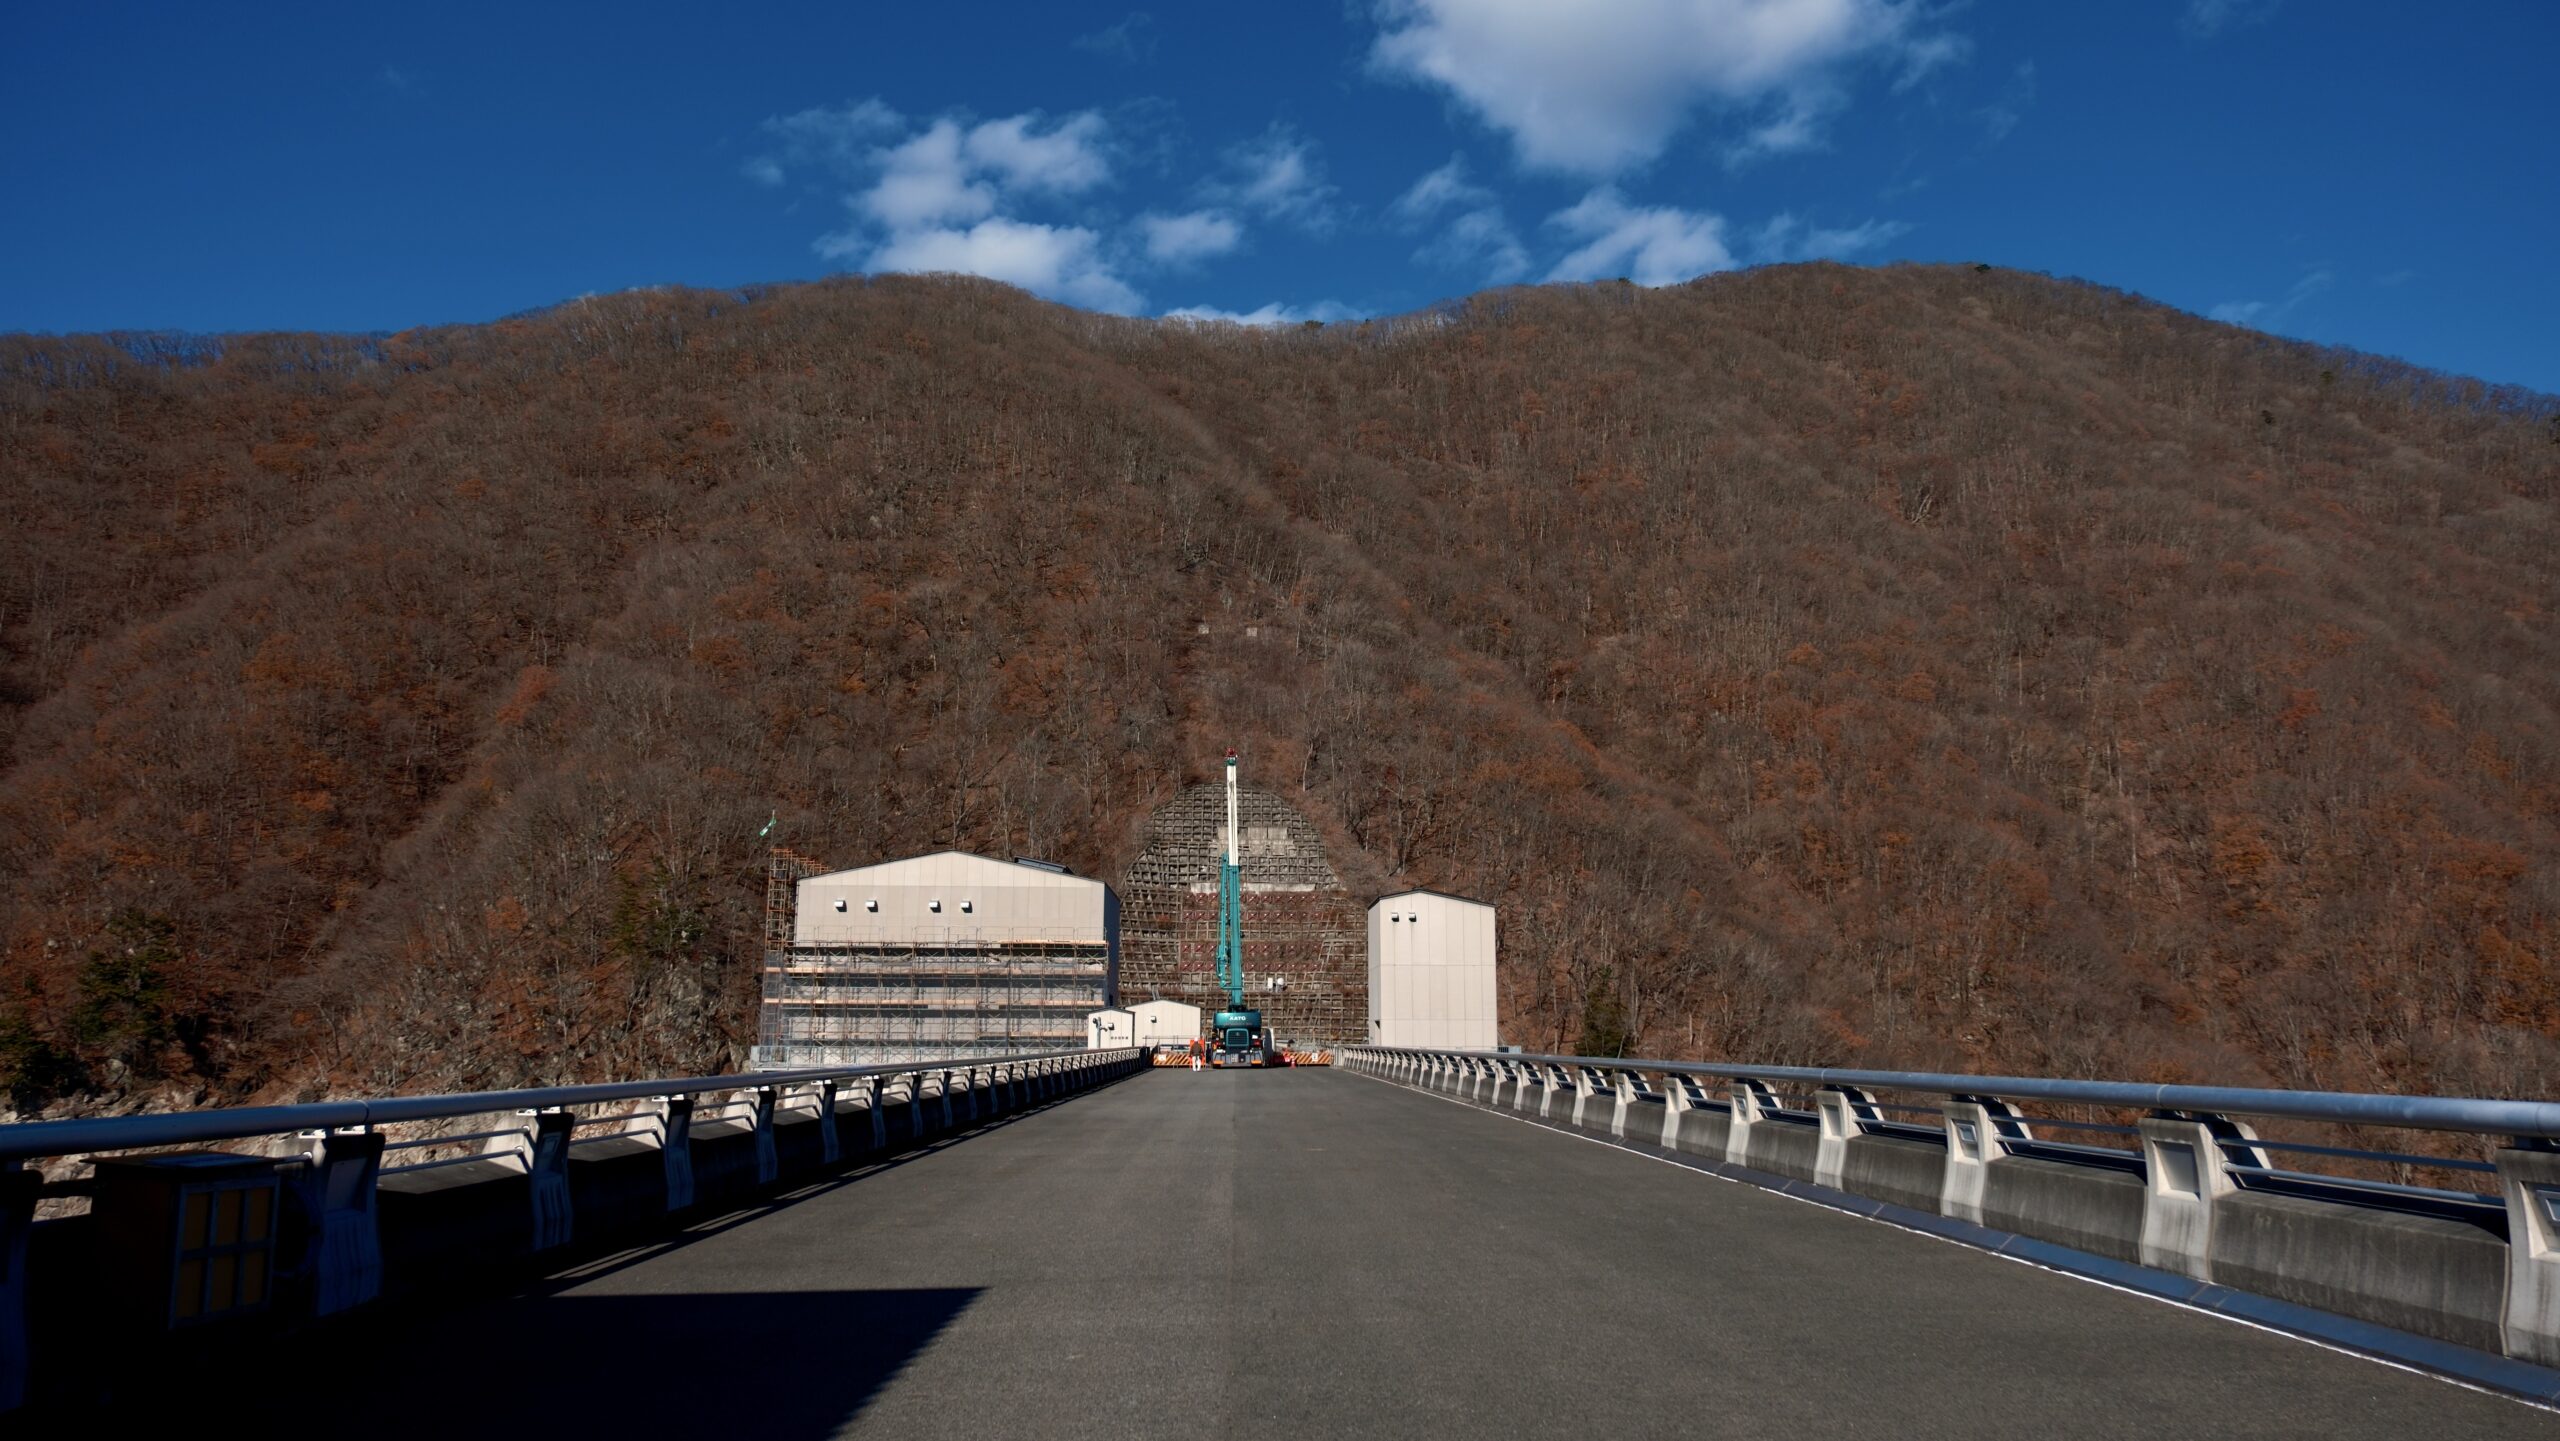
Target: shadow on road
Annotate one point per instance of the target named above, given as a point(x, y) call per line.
point(785, 1365)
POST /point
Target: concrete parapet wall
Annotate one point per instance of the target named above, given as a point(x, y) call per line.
point(2317, 1258)
point(1891, 1168)
point(1703, 1132)
point(2432, 1275)
point(2084, 1207)
point(1784, 1149)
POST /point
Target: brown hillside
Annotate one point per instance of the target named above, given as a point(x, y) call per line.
point(1923, 665)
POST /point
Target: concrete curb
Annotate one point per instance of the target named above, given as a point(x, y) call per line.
point(2522, 1380)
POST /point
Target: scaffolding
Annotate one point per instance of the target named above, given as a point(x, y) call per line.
point(831, 1005)
point(1303, 932)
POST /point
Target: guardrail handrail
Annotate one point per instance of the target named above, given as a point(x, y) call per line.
point(2528, 1119)
point(37, 1140)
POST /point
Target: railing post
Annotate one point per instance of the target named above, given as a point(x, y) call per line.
point(879, 1123)
point(969, 1096)
point(343, 1257)
point(768, 1163)
point(2529, 1175)
point(548, 1159)
point(1585, 1086)
point(1503, 1075)
point(1750, 1100)
point(1680, 1096)
point(1978, 1130)
point(1552, 1083)
point(1622, 1099)
point(541, 1148)
point(18, 1188)
point(1843, 1109)
point(2185, 1170)
point(830, 1147)
point(673, 1119)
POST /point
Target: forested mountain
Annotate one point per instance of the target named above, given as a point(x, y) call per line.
point(1938, 666)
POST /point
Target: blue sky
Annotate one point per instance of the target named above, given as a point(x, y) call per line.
point(2365, 174)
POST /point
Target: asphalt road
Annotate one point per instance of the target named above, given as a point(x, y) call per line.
point(1317, 1254)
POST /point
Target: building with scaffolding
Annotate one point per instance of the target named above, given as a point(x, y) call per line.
point(940, 955)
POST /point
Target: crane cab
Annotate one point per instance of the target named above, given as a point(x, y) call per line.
point(1238, 1038)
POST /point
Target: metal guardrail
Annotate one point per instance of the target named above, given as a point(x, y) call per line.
point(331, 1181)
point(42, 1140)
point(2539, 1120)
point(2198, 1190)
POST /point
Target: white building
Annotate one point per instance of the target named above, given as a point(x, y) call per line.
point(1166, 1023)
point(941, 955)
point(1109, 1030)
point(1431, 971)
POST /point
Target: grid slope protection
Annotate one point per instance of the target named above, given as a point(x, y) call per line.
point(1300, 925)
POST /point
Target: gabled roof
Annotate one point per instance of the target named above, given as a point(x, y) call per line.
point(1427, 891)
point(1012, 867)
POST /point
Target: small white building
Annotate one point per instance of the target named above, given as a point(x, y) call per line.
point(1109, 1030)
point(1431, 971)
point(1166, 1023)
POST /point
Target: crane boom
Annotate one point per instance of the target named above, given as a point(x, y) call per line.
point(1239, 1037)
point(1231, 905)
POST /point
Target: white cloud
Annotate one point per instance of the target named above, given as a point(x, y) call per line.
point(1788, 237)
point(1478, 238)
point(1131, 41)
point(2002, 115)
point(1275, 313)
point(1795, 126)
point(949, 197)
point(2268, 314)
point(2205, 19)
point(928, 180)
point(1439, 190)
point(1278, 176)
point(1066, 160)
point(1925, 55)
point(1597, 87)
point(1190, 238)
point(1063, 262)
point(1651, 245)
point(837, 139)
